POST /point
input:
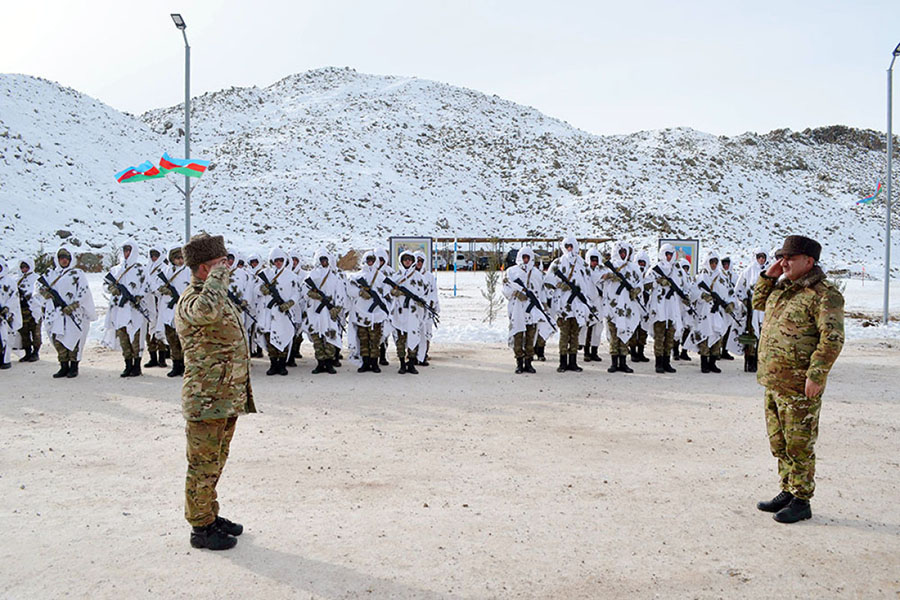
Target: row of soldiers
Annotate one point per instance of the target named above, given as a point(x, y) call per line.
point(279, 300)
point(580, 295)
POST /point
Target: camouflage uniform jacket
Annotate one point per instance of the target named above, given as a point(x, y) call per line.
point(803, 331)
point(216, 356)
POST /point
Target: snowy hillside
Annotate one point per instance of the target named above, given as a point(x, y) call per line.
point(333, 155)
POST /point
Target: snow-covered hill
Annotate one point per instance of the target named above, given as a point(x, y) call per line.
point(333, 155)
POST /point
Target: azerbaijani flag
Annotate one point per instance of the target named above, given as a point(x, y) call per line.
point(192, 167)
point(144, 171)
point(868, 199)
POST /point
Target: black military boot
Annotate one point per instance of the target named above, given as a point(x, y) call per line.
point(154, 360)
point(27, 357)
point(615, 364)
point(659, 364)
point(272, 370)
point(211, 537)
point(539, 352)
point(641, 356)
point(675, 352)
point(528, 368)
point(776, 503)
point(667, 365)
point(587, 354)
point(563, 363)
point(519, 366)
point(5, 365)
point(63, 370)
point(373, 363)
point(135, 368)
point(366, 367)
point(229, 527)
point(573, 363)
point(411, 366)
point(330, 364)
point(402, 370)
point(128, 367)
point(163, 355)
point(594, 356)
point(177, 368)
point(797, 510)
point(73, 370)
point(684, 355)
point(725, 355)
point(280, 364)
point(336, 361)
point(382, 356)
point(320, 367)
point(291, 361)
point(35, 355)
point(704, 364)
point(623, 365)
point(257, 353)
point(711, 362)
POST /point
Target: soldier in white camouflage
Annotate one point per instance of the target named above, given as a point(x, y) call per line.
point(32, 312)
point(216, 386)
point(802, 336)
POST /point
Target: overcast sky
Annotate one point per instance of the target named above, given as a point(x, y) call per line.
point(724, 66)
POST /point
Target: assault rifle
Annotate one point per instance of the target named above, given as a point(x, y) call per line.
point(623, 283)
point(325, 302)
point(239, 304)
point(533, 301)
point(410, 295)
point(576, 291)
point(276, 297)
point(127, 296)
point(58, 302)
point(376, 299)
point(717, 301)
point(172, 289)
point(675, 289)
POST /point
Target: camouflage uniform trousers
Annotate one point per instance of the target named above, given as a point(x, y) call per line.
point(155, 344)
point(663, 337)
point(792, 422)
point(715, 350)
point(639, 338)
point(523, 342)
point(207, 451)
point(568, 335)
point(402, 351)
point(63, 353)
point(616, 346)
point(295, 344)
point(370, 341)
point(174, 343)
point(275, 352)
point(30, 330)
point(324, 350)
point(131, 347)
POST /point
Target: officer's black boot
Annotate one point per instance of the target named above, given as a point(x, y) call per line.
point(667, 364)
point(163, 355)
point(154, 359)
point(63, 370)
point(128, 367)
point(519, 366)
point(177, 368)
point(594, 356)
point(402, 370)
point(211, 537)
point(272, 369)
point(320, 367)
point(776, 503)
point(229, 527)
point(711, 361)
point(528, 367)
point(329, 364)
point(623, 365)
point(382, 358)
point(135, 368)
point(411, 366)
point(563, 363)
point(280, 363)
point(659, 364)
point(704, 364)
point(539, 352)
point(366, 367)
point(573, 363)
point(373, 363)
point(615, 364)
point(797, 510)
point(27, 357)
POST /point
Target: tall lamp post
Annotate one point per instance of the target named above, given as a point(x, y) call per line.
point(180, 24)
point(887, 203)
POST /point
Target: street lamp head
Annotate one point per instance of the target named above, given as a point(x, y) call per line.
point(897, 50)
point(179, 22)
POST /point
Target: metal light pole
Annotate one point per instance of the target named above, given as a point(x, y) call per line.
point(887, 203)
point(180, 24)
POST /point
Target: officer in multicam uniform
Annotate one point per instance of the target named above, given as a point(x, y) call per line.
point(216, 386)
point(802, 336)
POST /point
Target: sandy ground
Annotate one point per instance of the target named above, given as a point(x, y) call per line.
point(466, 481)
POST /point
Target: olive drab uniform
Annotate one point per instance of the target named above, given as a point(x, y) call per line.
point(29, 338)
point(216, 386)
point(802, 336)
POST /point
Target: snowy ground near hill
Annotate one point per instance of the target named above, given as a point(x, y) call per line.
point(462, 315)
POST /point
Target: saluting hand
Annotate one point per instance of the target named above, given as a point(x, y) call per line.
point(776, 268)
